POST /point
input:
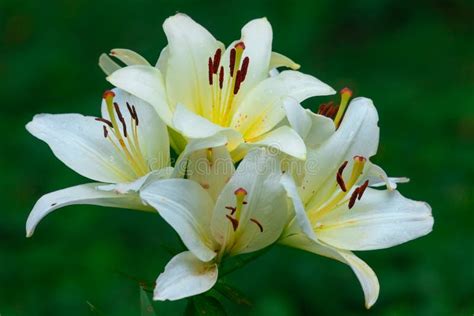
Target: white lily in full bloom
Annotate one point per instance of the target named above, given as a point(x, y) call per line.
point(240, 215)
point(123, 150)
point(200, 88)
point(336, 211)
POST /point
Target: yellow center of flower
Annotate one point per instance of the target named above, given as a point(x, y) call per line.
point(225, 83)
point(124, 140)
point(339, 195)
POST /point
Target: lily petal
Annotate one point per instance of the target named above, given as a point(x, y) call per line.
point(194, 126)
point(252, 121)
point(85, 194)
point(381, 219)
point(107, 64)
point(313, 128)
point(283, 139)
point(301, 218)
point(162, 62)
point(78, 141)
point(187, 207)
point(129, 57)
point(377, 177)
point(189, 47)
point(146, 83)
point(257, 36)
point(185, 275)
point(263, 217)
point(278, 60)
point(367, 278)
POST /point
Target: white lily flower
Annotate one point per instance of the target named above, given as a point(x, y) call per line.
point(217, 217)
point(336, 211)
point(124, 149)
point(200, 88)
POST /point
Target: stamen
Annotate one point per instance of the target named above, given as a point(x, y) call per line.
point(244, 68)
point(340, 181)
point(106, 133)
point(135, 114)
point(232, 61)
point(211, 70)
point(217, 60)
point(231, 209)
point(238, 81)
point(121, 119)
point(353, 198)
point(346, 94)
point(253, 220)
point(235, 222)
point(221, 77)
point(362, 189)
point(103, 120)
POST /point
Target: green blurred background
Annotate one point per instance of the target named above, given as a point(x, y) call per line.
point(414, 59)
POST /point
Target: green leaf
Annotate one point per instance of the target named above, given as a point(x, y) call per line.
point(231, 293)
point(146, 307)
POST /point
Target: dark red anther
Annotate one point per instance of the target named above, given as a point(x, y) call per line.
point(221, 77)
point(235, 222)
point(342, 167)
point(232, 209)
point(253, 220)
point(106, 133)
point(103, 120)
point(121, 119)
point(244, 68)
point(238, 81)
point(217, 60)
point(341, 183)
point(331, 111)
point(353, 198)
point(211, 70)
point(232, 62)
point(135, 114)
point(362, 189)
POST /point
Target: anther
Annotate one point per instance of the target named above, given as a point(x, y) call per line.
point(103, 120)
point(106, 133)
point(244, 68)
point(211, 70)
point(232, 62)
point(342, 167)
point(340, 181)
point(121, 119)
point(217, 60)
point(362, 189)
point(234, 222)
point(133, 114)
point(353, 198)
point(231, 209)
point(221, 77)
point(253, 220)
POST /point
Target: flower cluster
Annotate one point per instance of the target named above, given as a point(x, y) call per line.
point(253, 166)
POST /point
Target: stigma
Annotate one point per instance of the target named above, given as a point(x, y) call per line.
point(236, 210)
